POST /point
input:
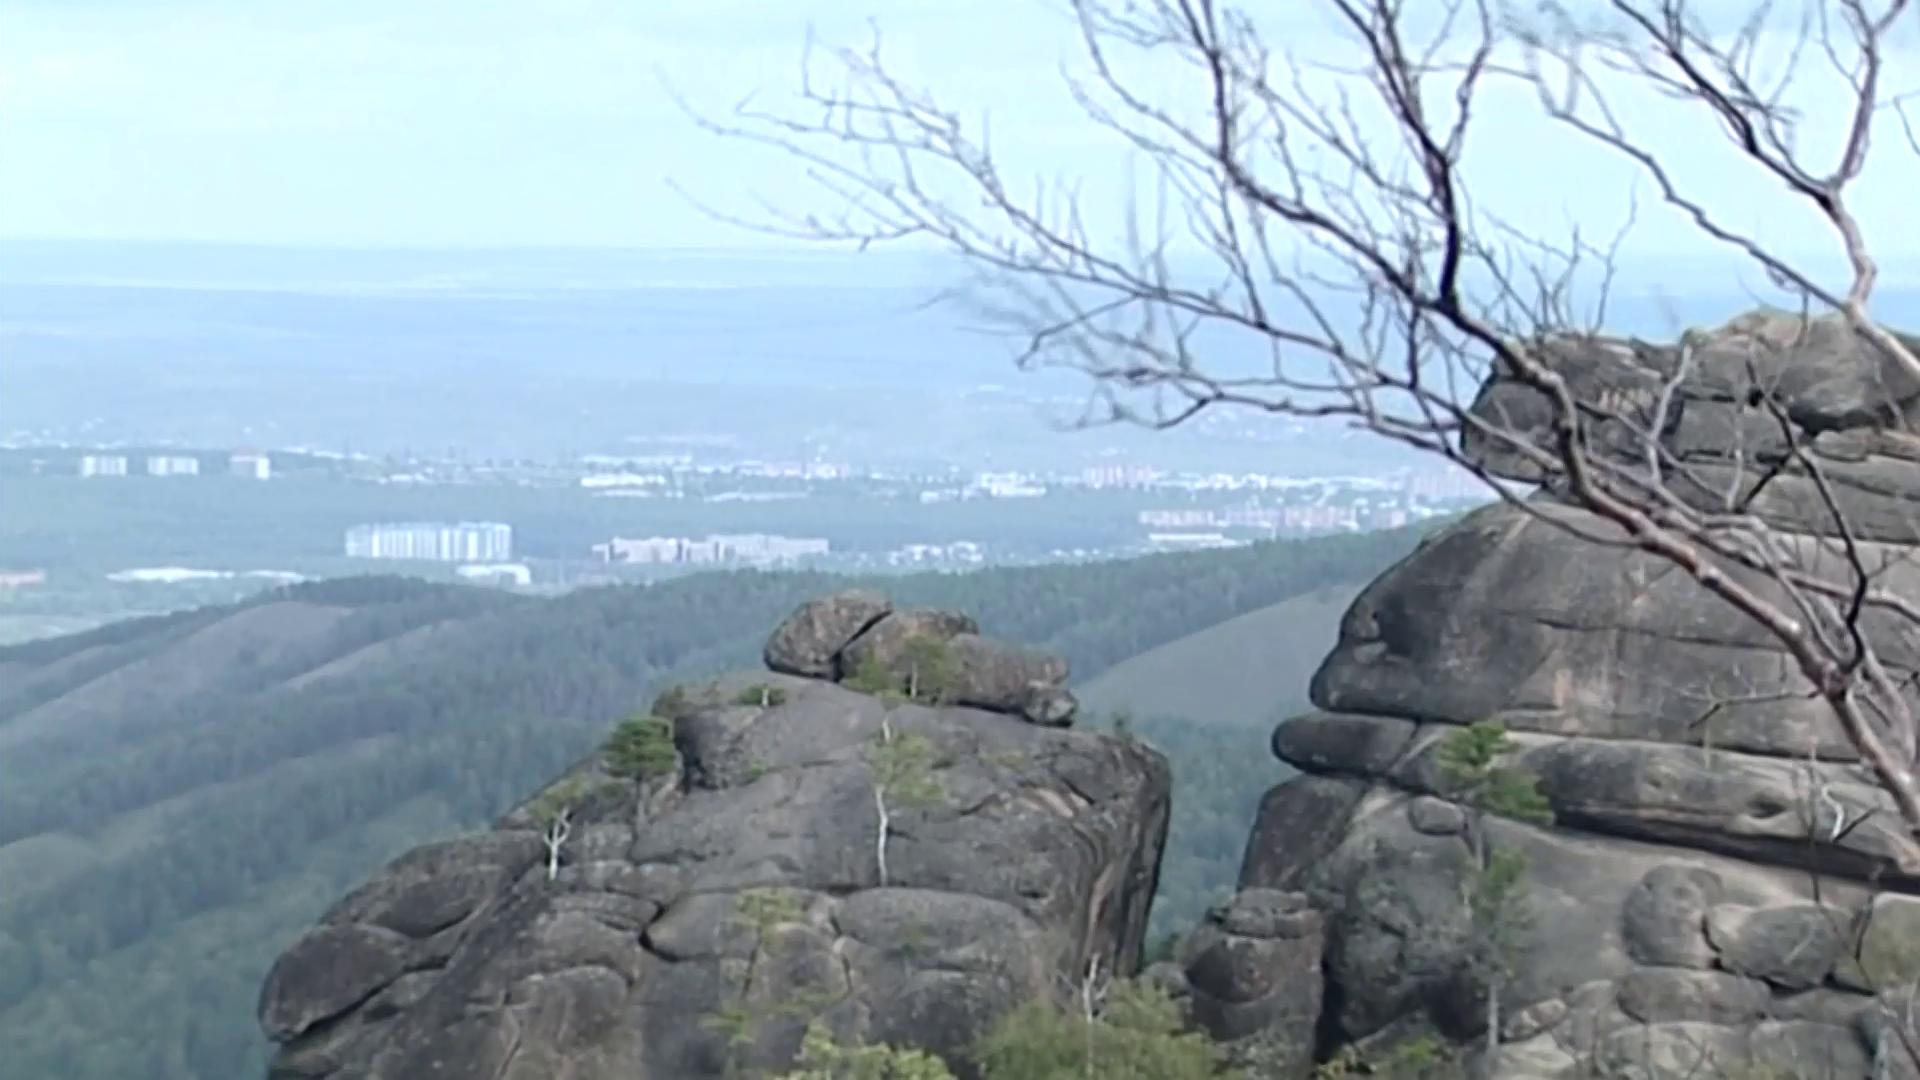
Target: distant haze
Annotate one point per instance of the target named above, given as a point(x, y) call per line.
point(545, 351)
point(501, 122)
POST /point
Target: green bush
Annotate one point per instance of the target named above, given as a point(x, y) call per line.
point(925, 672)
point(641, 748)
point(873, 677)
point(824, 1058)
point(762, 696)
point(1138, 1035)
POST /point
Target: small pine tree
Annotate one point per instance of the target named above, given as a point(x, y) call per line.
point(743, 1022)
point(1138, 1035)
point(1417, 1059)
point(673, 703)
point(902, 770)
point(1473, 762)
point(1472, 759)
point(641, 748)
point(931, 670)
point(871, 676)
point(822, 1057)
point(762, 696)
point(925, 672)
point(553, 812)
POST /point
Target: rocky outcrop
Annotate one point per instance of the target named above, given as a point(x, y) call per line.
point(1719, 868)
point(1251, 978)
point(742, 884)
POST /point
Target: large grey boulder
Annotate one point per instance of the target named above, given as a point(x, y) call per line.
point(1849, 404)
point(1721, 881)
point(808, 642)
point(747, 881)
point(889, 642)
point(1253, 978)
point(1702, 881)
point(941, 656)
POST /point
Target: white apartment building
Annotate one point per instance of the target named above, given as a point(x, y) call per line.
point(103, 465)
point(1186, 518)
point(749, 549)
point(173, 465)
point(1007, 486)
point(254, 466)
point(464, 542)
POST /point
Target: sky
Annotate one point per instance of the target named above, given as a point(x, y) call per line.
point(433, 123)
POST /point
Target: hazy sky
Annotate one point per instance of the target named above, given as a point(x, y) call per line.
point(477, 122)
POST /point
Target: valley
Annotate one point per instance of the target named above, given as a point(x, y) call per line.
point(180, 795)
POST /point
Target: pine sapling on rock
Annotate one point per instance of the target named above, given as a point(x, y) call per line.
point(641, 748)
point(1473, 761)
point(553, 812)
point(902, 769)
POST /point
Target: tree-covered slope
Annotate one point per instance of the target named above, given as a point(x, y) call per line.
point(1255, 666)
point(181, 795)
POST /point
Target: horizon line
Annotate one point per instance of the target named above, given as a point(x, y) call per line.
point(791, 248)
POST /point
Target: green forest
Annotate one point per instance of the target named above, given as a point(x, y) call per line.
point(181, 795)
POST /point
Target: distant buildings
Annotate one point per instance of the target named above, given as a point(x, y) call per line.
point(497, 574)
point(957, 553)
point(247, 464)
point(172, 465)
point(1008, 486)
point(1271, 519)
point(1190, 518)
point(465, 542)
point(1449, 486)
point(1385, 517)
point(176, 575)
point(749, 549)
point(623, 480)
point(1191, 541)
point(1119, 476)
point(103, 465)
point(251, 464)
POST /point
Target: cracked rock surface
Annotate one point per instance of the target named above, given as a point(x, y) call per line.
point(1721, 874)
point(747, 878)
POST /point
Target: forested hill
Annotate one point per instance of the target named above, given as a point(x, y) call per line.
point(181, 795)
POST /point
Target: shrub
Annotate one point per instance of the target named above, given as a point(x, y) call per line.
point(1138, 1035)
point(824, 1058)
point(641, 748)
point(761, 696)
point(925, 672)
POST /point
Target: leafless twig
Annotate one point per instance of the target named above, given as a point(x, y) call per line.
point(1341, 240)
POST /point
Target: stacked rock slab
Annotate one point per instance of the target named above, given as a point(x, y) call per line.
point(747, 879)
point(1721, 872)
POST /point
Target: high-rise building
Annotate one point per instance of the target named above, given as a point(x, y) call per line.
point(482, 541)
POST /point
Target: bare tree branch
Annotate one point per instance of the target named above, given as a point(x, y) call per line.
point(1341, 239)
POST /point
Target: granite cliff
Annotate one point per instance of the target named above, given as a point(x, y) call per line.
point(746, 866)
point(1722, 887)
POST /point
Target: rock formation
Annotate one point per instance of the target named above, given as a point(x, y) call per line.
point(1720, 870)
point(744, 880)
